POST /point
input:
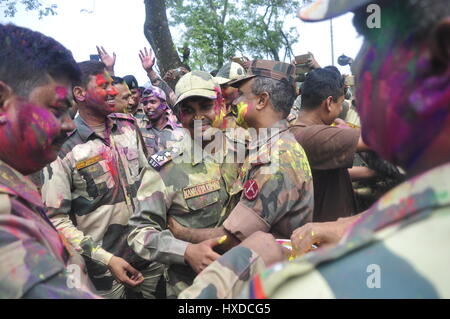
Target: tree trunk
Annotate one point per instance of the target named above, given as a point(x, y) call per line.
point(157, 32)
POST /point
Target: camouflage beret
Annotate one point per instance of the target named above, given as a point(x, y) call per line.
point(230, 71)
point(326, 9)
point(196, 83)
point(154, 91)
point(270, 69)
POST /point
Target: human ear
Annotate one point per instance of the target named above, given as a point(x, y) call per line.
point(79, 94)
point(328, 103)
point(440, 44)
point(263, 100)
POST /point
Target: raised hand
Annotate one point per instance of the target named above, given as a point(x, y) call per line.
point(147, 59)
point(108, 60)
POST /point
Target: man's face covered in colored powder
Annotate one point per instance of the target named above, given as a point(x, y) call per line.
point(245, 104)
point(403, 107)
point(153, 107)
point(210, 113)
point(101, 94)
point(35, 128)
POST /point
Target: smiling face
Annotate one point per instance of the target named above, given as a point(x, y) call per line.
point(101, 94)
point(122, 98)
point(36, 127)
point(198, 109)
point(153, 107)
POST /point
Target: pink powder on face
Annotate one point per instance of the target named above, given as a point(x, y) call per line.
point(61, 92)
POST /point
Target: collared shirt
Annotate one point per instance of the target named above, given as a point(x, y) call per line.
point(91, 187)
point(33, 257)
point(158, 140)
point(397, 249)
point(195, 191)
point(277, 194)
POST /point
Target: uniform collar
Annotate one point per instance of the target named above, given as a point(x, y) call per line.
point(14, 183)
point(169, 124)
point(273, 131)
point(86, 132)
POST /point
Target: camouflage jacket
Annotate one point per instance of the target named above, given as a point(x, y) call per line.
point(158, 140)
point(277, 185)
point(195, 191)
point(295, 110)
point(33, 257)
point(397, 249)
point(91, 187)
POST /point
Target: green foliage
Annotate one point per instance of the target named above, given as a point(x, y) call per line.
point(10, 7)
point(216, 30)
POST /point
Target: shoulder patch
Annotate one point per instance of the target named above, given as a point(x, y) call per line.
point(122, 116)
point(158, 160)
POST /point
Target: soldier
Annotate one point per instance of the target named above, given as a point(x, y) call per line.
point(36, 75)
point(123, 97)
point(228, 73)
point(194, 190)
point(91, 187)
point(158, 131)
point(398, 248)
point(277, 194)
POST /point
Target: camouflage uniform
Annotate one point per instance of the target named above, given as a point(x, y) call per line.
point(157, 140)
point(292, 118)
point(403, 238)
point(195, 190)
point(283, 201)
point(90, 191)
point(197, 194)
point(277, 183)
point(33, 257)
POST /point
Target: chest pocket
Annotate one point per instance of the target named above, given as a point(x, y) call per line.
point(202, 195)
point(202, 201)
point(133, 162)
point(97, 178)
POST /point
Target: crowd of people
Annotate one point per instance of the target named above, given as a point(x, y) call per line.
point(263, 179)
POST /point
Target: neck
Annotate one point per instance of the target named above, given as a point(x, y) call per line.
point(90, 117)
point(266, 120)
point(310, 116)
point(160, 122)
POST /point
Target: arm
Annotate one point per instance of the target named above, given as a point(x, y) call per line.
point(358, 173)
point(362, 147)
point(148, 61)
point(197, 235)
point(25, 276)
point(107, 59)
point(228, 277)
point(57, 196)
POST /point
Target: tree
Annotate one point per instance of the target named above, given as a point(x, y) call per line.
point(157, 32)
point(218, 29)
point(10, 7)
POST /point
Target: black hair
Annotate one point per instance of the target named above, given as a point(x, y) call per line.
point(131, 81)
point(117, 80)
point(319, 85)
point(88, 69)
point(282, 95)
point(28, 58)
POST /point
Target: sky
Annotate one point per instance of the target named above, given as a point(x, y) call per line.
point(117, 25)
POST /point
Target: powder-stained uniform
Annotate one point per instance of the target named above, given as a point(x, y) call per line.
point(195, 191)
point(398, 249)
point(277, 194)
point(158, 140)
point(35, 261)
point(90, 191)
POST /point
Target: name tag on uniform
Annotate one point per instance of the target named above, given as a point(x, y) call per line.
point(201, 189)
point(89, 162)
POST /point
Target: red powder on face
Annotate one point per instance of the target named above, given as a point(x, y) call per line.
point(61, 92)
point(100, 79)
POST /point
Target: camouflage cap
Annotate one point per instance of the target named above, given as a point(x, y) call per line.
point(196, 83)
point(230, 71)
point(270, 69)
point(326, 9)
point(154, 91)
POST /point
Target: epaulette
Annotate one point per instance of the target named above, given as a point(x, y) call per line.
point(122, 116)
point(158, 160)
